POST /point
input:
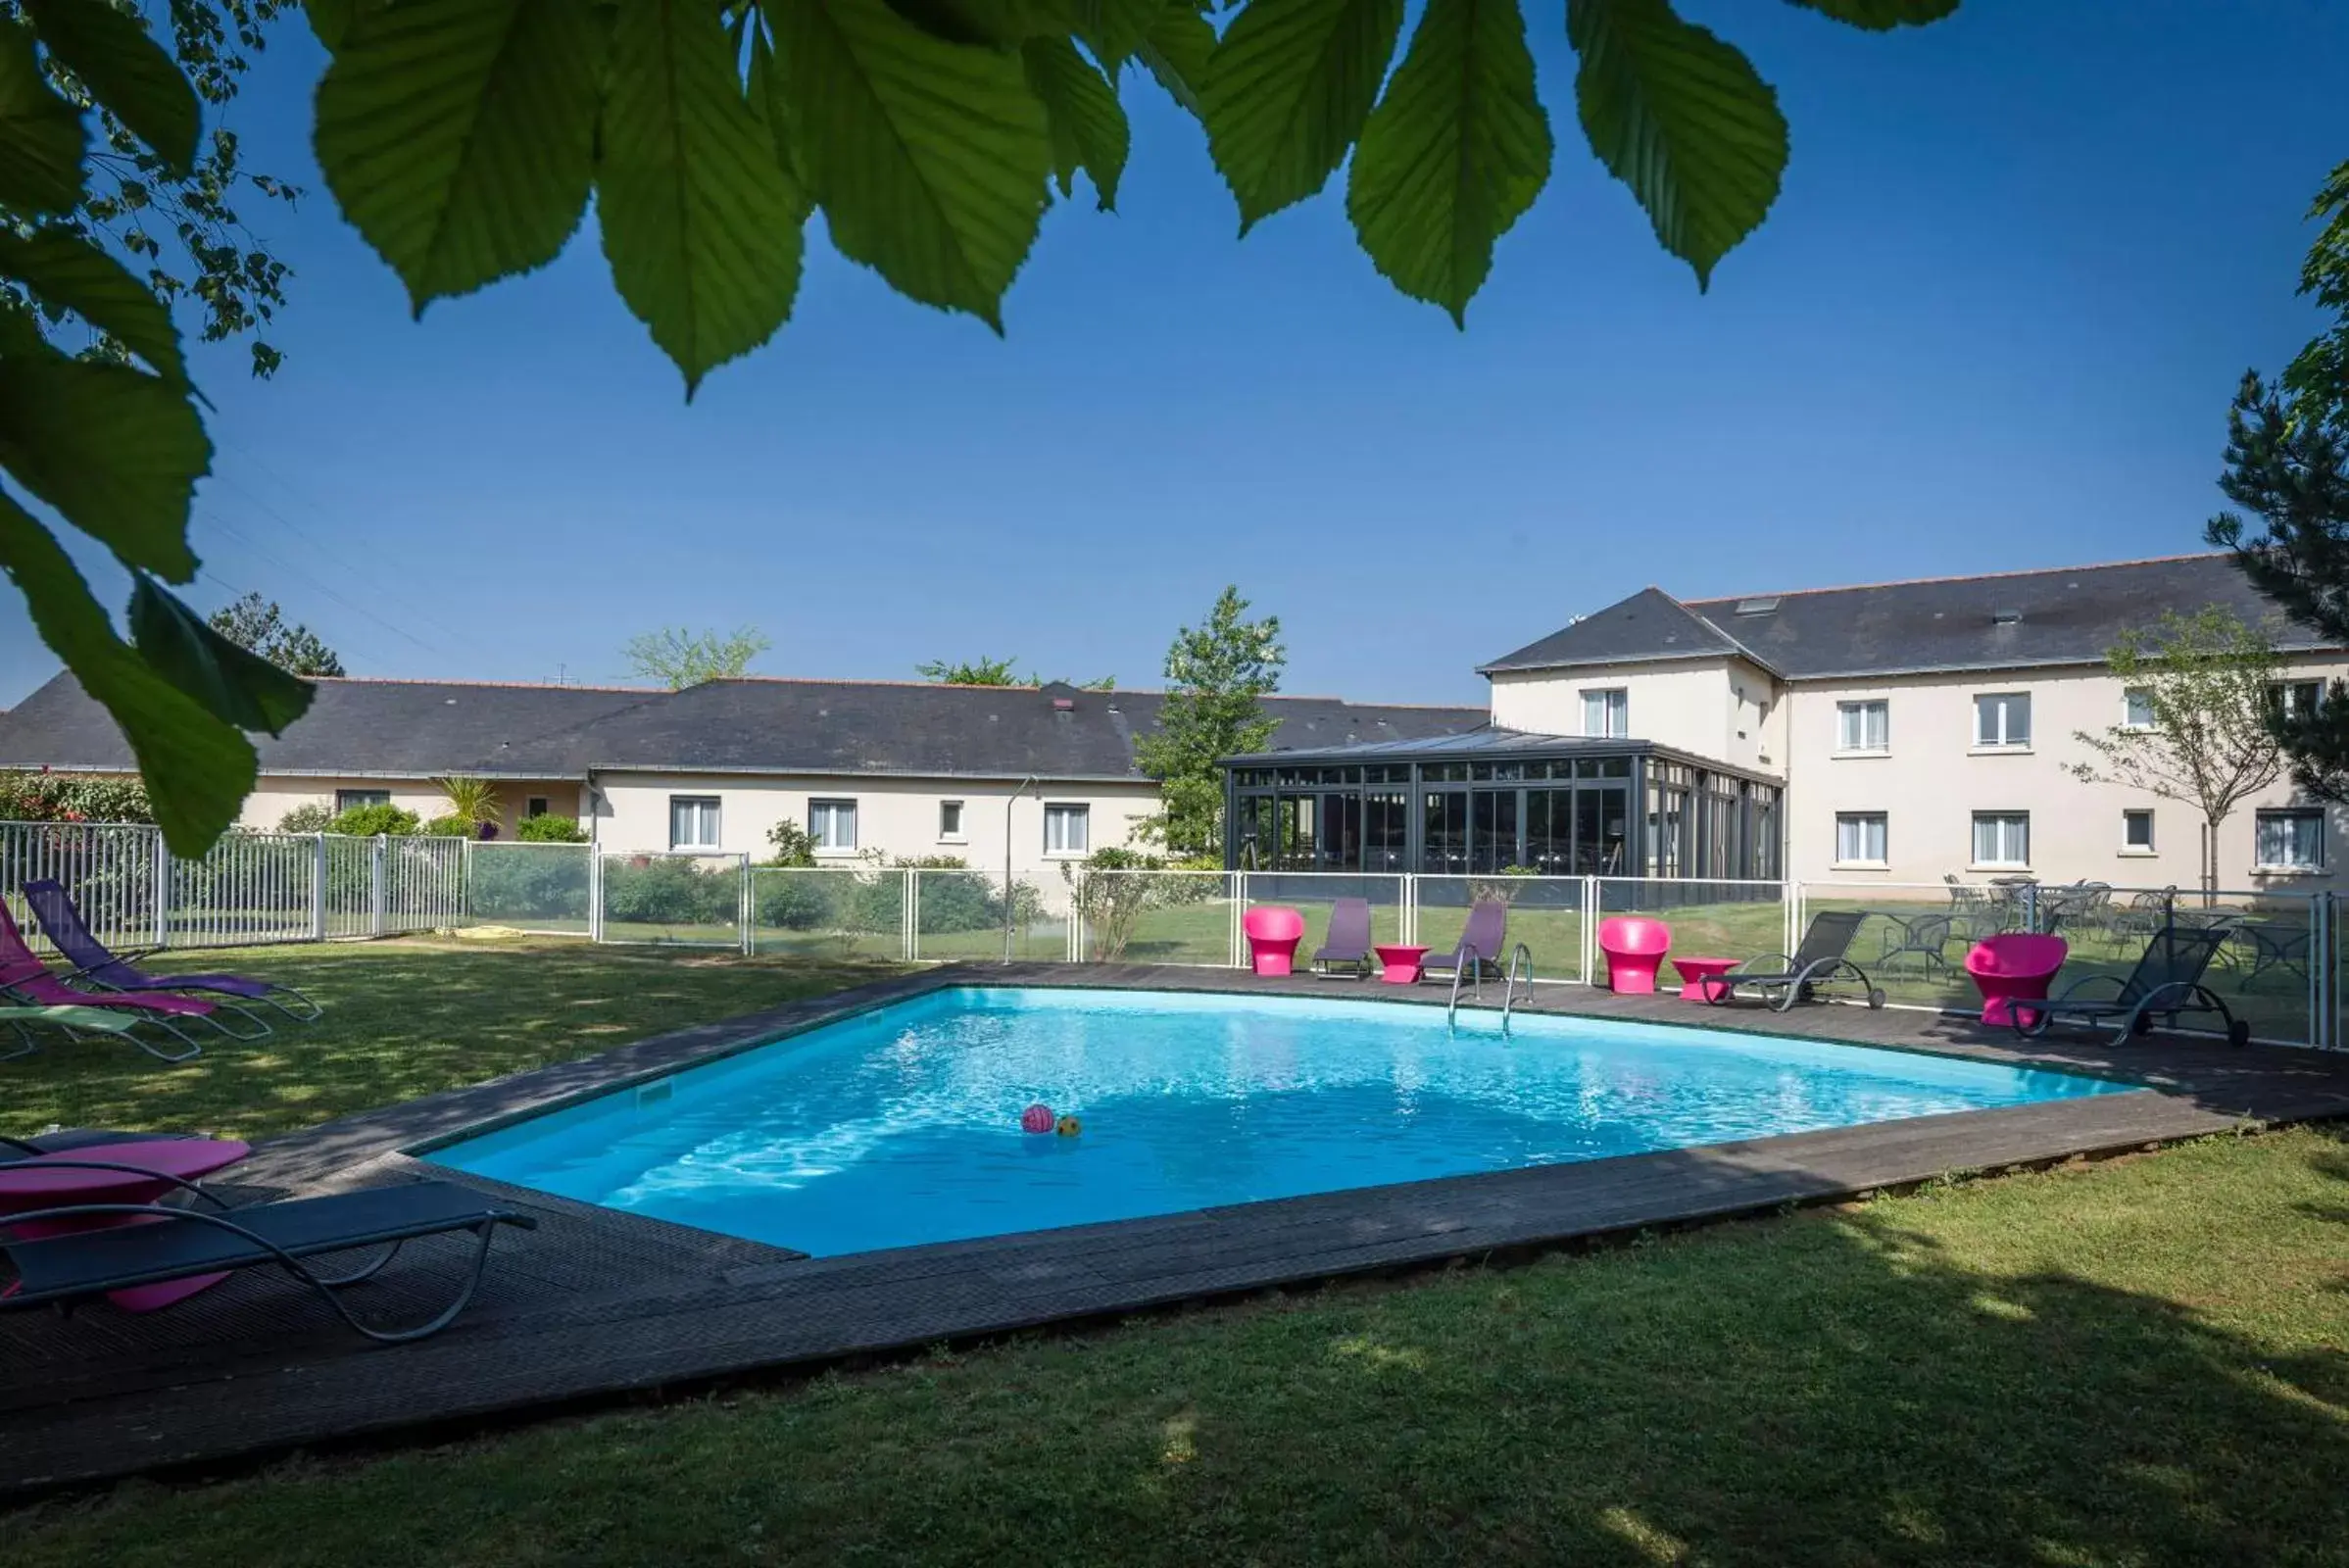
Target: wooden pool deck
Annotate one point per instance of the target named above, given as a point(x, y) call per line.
point(600, 1307)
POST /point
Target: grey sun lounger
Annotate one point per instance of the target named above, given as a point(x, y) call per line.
point(66, 1270)
point(2167, 981)
point(1782, 979)
point(1349, 943)
point(1479, 951)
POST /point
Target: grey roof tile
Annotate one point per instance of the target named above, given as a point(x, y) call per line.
point(426, 728)
point(2006, 620)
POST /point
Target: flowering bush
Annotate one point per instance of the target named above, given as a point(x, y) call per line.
point(46, 796)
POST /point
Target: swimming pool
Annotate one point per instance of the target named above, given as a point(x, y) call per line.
point(903, 1125)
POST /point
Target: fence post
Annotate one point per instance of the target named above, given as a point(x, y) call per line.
point(163, 890)
point(1236, 956)
point(317, 887)
point(1406, 910)
point(746, 910)
point(375, 886)
point(595, 893)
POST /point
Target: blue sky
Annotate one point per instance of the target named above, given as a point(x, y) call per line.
point(1993, 322)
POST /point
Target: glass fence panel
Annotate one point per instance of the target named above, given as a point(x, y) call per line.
point(1913, 941)
point(1155, 917)
point(964, 916)
point(545, 888)
point(828, 911)
point(1544, 913)
point(1708, 920)
point(1316, 895)
point(691, 900)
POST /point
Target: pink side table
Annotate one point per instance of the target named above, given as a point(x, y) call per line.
point(1399, 963)
point(1694, 973)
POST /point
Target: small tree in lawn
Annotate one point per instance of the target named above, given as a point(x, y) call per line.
point(1215, 677)
point(2205, 683)
point(679, 656)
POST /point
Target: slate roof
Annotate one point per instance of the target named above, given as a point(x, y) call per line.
point(426, 728)
point(2006, 620)
point(1647, 626)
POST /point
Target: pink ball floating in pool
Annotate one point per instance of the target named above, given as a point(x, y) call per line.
point(1037, 1118)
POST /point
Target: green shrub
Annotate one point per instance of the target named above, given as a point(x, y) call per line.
point(794, 845)
point(449, 825)
point(311, 817)
point(366, 822)
point(551, 830)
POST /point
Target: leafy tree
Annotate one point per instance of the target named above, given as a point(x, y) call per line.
point(2287, 465)
point(1215, 675)
point(259, 626)
point(985, 672)
point(979, 671)
point(794, 845)
point(679, 656)
point(2207, 684)
point(466, 138)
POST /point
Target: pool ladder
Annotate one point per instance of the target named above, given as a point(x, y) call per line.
point(1521, 963)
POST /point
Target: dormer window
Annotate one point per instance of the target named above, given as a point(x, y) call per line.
point(1756, 607)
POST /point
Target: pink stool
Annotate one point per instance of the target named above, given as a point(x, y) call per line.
point(1273, 933)
point(1633, 945)
point(2017, 966)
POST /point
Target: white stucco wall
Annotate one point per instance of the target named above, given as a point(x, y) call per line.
point(897, 816)
point(1932, 778)
point(1724, 709)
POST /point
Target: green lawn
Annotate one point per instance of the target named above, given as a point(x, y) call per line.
point(2133, 1363)
point(404, 1017)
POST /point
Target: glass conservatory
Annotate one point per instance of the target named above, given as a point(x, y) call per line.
point(1499, 800)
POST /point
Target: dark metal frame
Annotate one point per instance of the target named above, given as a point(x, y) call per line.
point(1680, 816)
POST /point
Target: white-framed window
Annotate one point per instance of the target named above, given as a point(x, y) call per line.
point(2137, 832)
point(1067, 829)
point(950, 821)
point(2003, 720)
point(1860, 838)
point(2136, 709)
point(2298, 696)
point(1864, 726)
point(2292, 840)
point(2002, 837)
point(1608, 711)
point(344, 799)
point(534, 806)
point(832, 824)
point(692, 822)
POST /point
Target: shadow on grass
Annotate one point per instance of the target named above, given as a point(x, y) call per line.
point(403, 1018)
point(2139, 1363)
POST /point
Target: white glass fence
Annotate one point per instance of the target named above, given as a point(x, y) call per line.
point(2282, 966)
point(249, 888)
point(2271, 969)
point(548, 888)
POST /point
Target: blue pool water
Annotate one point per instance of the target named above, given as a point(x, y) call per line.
point(902, 1125)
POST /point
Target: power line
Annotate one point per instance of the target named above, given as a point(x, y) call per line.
point(219, 522)
point(304, 534)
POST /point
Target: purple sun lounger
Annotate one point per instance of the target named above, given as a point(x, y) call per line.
point(24, 977)
point(110, 971)
point(1482, 939)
